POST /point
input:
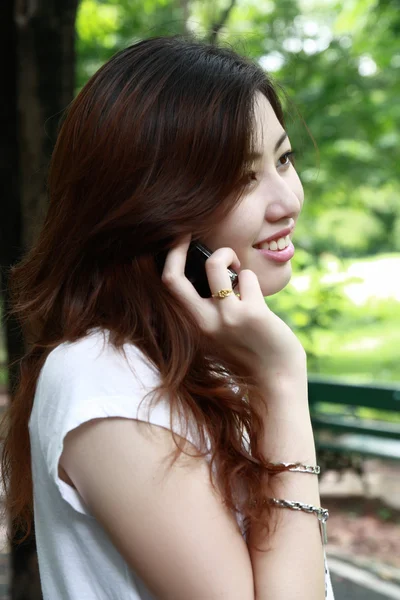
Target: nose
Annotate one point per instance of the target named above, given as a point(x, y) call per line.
point(286, 199)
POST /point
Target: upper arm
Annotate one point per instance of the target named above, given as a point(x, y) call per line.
point(168, 523)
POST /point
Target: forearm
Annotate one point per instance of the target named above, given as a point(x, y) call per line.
point(293, 568)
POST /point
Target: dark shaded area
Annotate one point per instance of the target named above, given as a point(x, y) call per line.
point(38, 40)
point(344, 589)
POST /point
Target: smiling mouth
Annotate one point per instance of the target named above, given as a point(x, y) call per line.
point(275, 245)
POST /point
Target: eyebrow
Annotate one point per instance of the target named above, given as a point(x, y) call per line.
point(280, 141)
point(258, 155)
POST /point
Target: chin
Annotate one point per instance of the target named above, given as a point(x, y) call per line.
point(276, 282)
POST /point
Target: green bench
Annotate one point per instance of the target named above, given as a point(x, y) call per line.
point(343, 436)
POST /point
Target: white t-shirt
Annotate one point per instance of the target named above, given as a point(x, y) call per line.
point(81, 381)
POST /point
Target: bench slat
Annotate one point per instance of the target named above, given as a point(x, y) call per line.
point(381, 429)
point(365, 445)
point(379, 397)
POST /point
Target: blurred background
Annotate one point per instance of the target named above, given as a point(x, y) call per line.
point(339, 64)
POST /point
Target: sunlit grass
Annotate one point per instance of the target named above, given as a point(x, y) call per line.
point(361, 354)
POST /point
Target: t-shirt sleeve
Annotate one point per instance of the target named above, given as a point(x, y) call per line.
point(86, 380)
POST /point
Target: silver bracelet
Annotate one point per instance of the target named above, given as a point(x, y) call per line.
point(314, 470)
point(322, 514)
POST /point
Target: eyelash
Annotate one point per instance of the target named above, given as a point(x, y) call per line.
point(287, 156)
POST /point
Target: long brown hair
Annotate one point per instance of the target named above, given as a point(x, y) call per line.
point(154, 146)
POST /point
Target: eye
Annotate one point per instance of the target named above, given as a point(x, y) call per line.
point(286, 159)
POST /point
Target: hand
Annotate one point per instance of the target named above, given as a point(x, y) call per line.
point(246, 328)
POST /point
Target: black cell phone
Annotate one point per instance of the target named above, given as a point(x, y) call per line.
point(195, 269)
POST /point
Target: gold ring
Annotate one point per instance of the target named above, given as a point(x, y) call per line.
point(223, 294)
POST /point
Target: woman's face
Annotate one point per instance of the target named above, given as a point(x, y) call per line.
point(272, 203)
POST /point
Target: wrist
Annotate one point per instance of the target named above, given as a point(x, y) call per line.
point(288, 434)
point(284, 393)
point(289, 439)
point(284, 377)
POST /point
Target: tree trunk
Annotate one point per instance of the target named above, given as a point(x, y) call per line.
point(46, 34)
point(38, 39)
point(10, 217)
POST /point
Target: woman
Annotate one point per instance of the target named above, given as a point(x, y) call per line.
point(164, 427)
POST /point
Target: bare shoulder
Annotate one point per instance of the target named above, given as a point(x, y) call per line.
point(168, 522)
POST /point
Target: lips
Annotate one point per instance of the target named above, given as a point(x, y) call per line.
point(276, 236)
point(279, 256)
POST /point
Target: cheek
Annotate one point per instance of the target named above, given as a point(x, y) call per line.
point(247, 224)
point(224, 235)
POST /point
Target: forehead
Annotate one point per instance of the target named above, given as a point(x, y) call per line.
point(267, 127)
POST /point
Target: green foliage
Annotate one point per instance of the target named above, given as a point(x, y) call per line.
point(106, 26)
point(97, 32)
point(312, 307)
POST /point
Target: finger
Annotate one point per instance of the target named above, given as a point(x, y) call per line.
point(174, 278)
point(217, 270)
point(178, 252)
point(249, 286)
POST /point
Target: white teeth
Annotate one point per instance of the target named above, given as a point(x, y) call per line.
point(279, 244)
point(282, 243)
